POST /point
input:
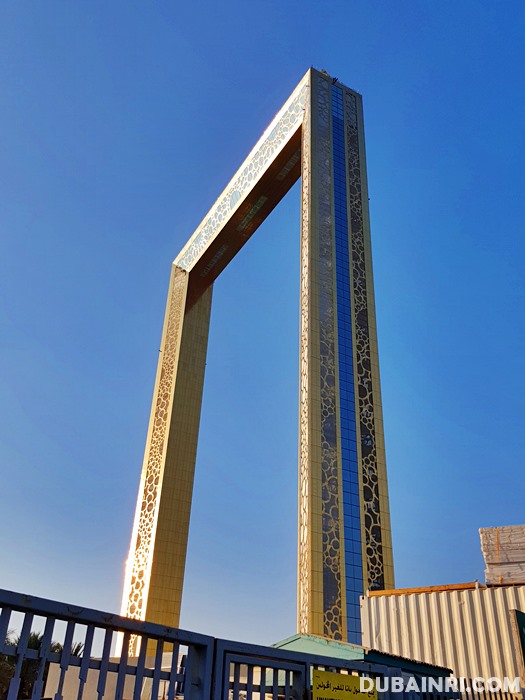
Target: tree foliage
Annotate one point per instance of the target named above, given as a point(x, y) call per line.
point(29, 672)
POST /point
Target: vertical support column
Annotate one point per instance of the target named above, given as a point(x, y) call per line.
point(351, 492)
point(375, 516)
point(169, 560)
point(155, 566)
point(321, 562)
point(344, 525)
point(310, 567)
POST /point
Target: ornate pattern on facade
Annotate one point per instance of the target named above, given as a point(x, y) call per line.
point(285, 123)
point(143, 537)
point(304, 539)
point(344, 545)
point(332, 590)
point(367, 431)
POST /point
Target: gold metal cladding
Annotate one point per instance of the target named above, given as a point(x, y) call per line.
point(375, 516)
point(305, 563)
point(138, 567)
point(159, 543)
point(167, 570)
point(287, 121)
point(386, 533)
point(330, 466)
point(155, 567)
point(297, 143)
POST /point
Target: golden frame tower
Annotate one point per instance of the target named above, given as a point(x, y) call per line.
point(344, 522)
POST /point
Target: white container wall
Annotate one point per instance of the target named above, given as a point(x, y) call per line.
point(468, 631)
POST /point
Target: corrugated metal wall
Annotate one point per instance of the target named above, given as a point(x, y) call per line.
point(468, 631)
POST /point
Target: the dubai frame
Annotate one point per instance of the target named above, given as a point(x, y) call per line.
point(344, 523)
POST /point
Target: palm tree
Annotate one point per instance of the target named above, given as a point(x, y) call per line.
point(77, 648)
point(29, 672)
point(7, 668)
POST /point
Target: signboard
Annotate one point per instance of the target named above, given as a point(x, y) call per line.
point(339, 686)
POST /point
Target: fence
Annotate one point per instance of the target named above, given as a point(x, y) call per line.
point(182, 666)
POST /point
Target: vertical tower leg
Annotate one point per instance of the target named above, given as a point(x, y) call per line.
point(155, 567)
point(321, 590)
point(344, 523)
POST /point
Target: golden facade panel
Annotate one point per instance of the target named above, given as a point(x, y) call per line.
point(344, 542)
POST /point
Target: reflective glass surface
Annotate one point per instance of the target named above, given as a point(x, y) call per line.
point(351, 507)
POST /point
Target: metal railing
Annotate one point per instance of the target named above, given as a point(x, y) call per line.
point(36, 664)
point(252, 672)
point(64, 652)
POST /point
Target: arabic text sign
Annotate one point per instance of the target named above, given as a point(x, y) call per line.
point(338, 686)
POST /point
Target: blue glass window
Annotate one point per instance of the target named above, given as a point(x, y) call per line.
point(351, 503)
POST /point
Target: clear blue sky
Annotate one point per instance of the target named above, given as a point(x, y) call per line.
point(120, 123)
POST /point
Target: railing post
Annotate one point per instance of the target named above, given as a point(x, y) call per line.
point(198, 675)
point(21, 649)
point(301, 684)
